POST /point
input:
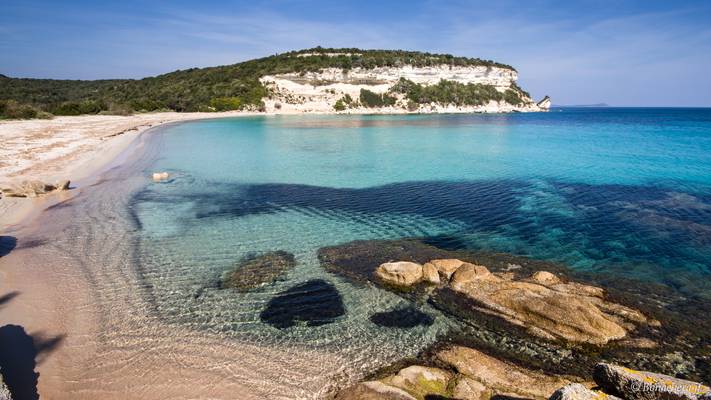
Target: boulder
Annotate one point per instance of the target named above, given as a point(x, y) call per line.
point(374, 390)
point(500, 376)
point(576, 391)
point(160, 176)
point(421, 381)
point(28, 189)
point(401, 273)
point(446, 267)
point(642, 385)
point(62, 185)
point(470, 389)
point(545, 278)
point(430, 274)
point(257, 270)
point(469, 273)
point(4, 390)
point(545, 306)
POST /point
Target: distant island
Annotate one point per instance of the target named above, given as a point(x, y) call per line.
point(317, 80)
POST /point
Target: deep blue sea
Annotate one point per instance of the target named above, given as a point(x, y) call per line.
point(623, 191)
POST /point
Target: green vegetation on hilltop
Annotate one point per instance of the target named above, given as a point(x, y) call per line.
point(455, 93)
point(220, 88)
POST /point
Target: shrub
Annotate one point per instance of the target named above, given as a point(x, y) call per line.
point(226, 103)
point(340, 105)
point(371, 100)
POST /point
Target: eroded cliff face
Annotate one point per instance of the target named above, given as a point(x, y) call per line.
point(319, 91)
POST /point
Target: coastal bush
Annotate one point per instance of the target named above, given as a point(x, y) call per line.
point(340, 105)
point(79, 108)
point(226, 103)
point(11, 109)
point(371, 99)
point(455, 93)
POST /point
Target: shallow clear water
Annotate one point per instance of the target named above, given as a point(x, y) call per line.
point(615, 191)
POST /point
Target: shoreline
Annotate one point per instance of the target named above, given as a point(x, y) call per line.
point(88, 145)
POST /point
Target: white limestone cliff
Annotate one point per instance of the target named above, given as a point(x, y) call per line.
point(318, 92)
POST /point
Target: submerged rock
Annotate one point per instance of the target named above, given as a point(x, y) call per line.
point(421, 381)
point(408, 317)
point(642, 385)
point(257, 270)
point(577, 391)
point(312, 303)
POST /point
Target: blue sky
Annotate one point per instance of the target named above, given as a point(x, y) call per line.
point(649, 53)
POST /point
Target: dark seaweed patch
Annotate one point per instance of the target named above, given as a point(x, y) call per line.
point(314, 303)
point(407, 317)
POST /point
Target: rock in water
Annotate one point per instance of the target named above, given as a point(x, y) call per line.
point(374, 390)
point(500, 376)
point(402, 273)
point(160, 176)
point(408, 317)
point(545, 306)
point(576, 391)
point(257, 270)
point(62, 185)
point(313, 303)
point(642, 385)
point(4, 390)
point(421, 381)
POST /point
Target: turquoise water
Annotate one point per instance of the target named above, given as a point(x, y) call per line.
point(613, 191)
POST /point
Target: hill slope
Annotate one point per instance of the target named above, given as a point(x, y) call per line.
point(255, 84)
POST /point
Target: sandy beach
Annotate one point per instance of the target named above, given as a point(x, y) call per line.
point(71, 148)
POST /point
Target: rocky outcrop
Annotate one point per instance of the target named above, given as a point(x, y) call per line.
point(4, 390)
point(500, 377)
point(470, 375)
point(545, 103)
point(545, 306)
point(577, 391)
point(33, 188)
point(257, 270)
point(542, 304)
point(642, 385)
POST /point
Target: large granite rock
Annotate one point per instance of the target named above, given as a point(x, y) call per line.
point(577, 391)
point(545, 306)
point(374, 390)
point(642, 385)
point(257, 270)
point(421, 381)
point(500, 377)
point(402, 273)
